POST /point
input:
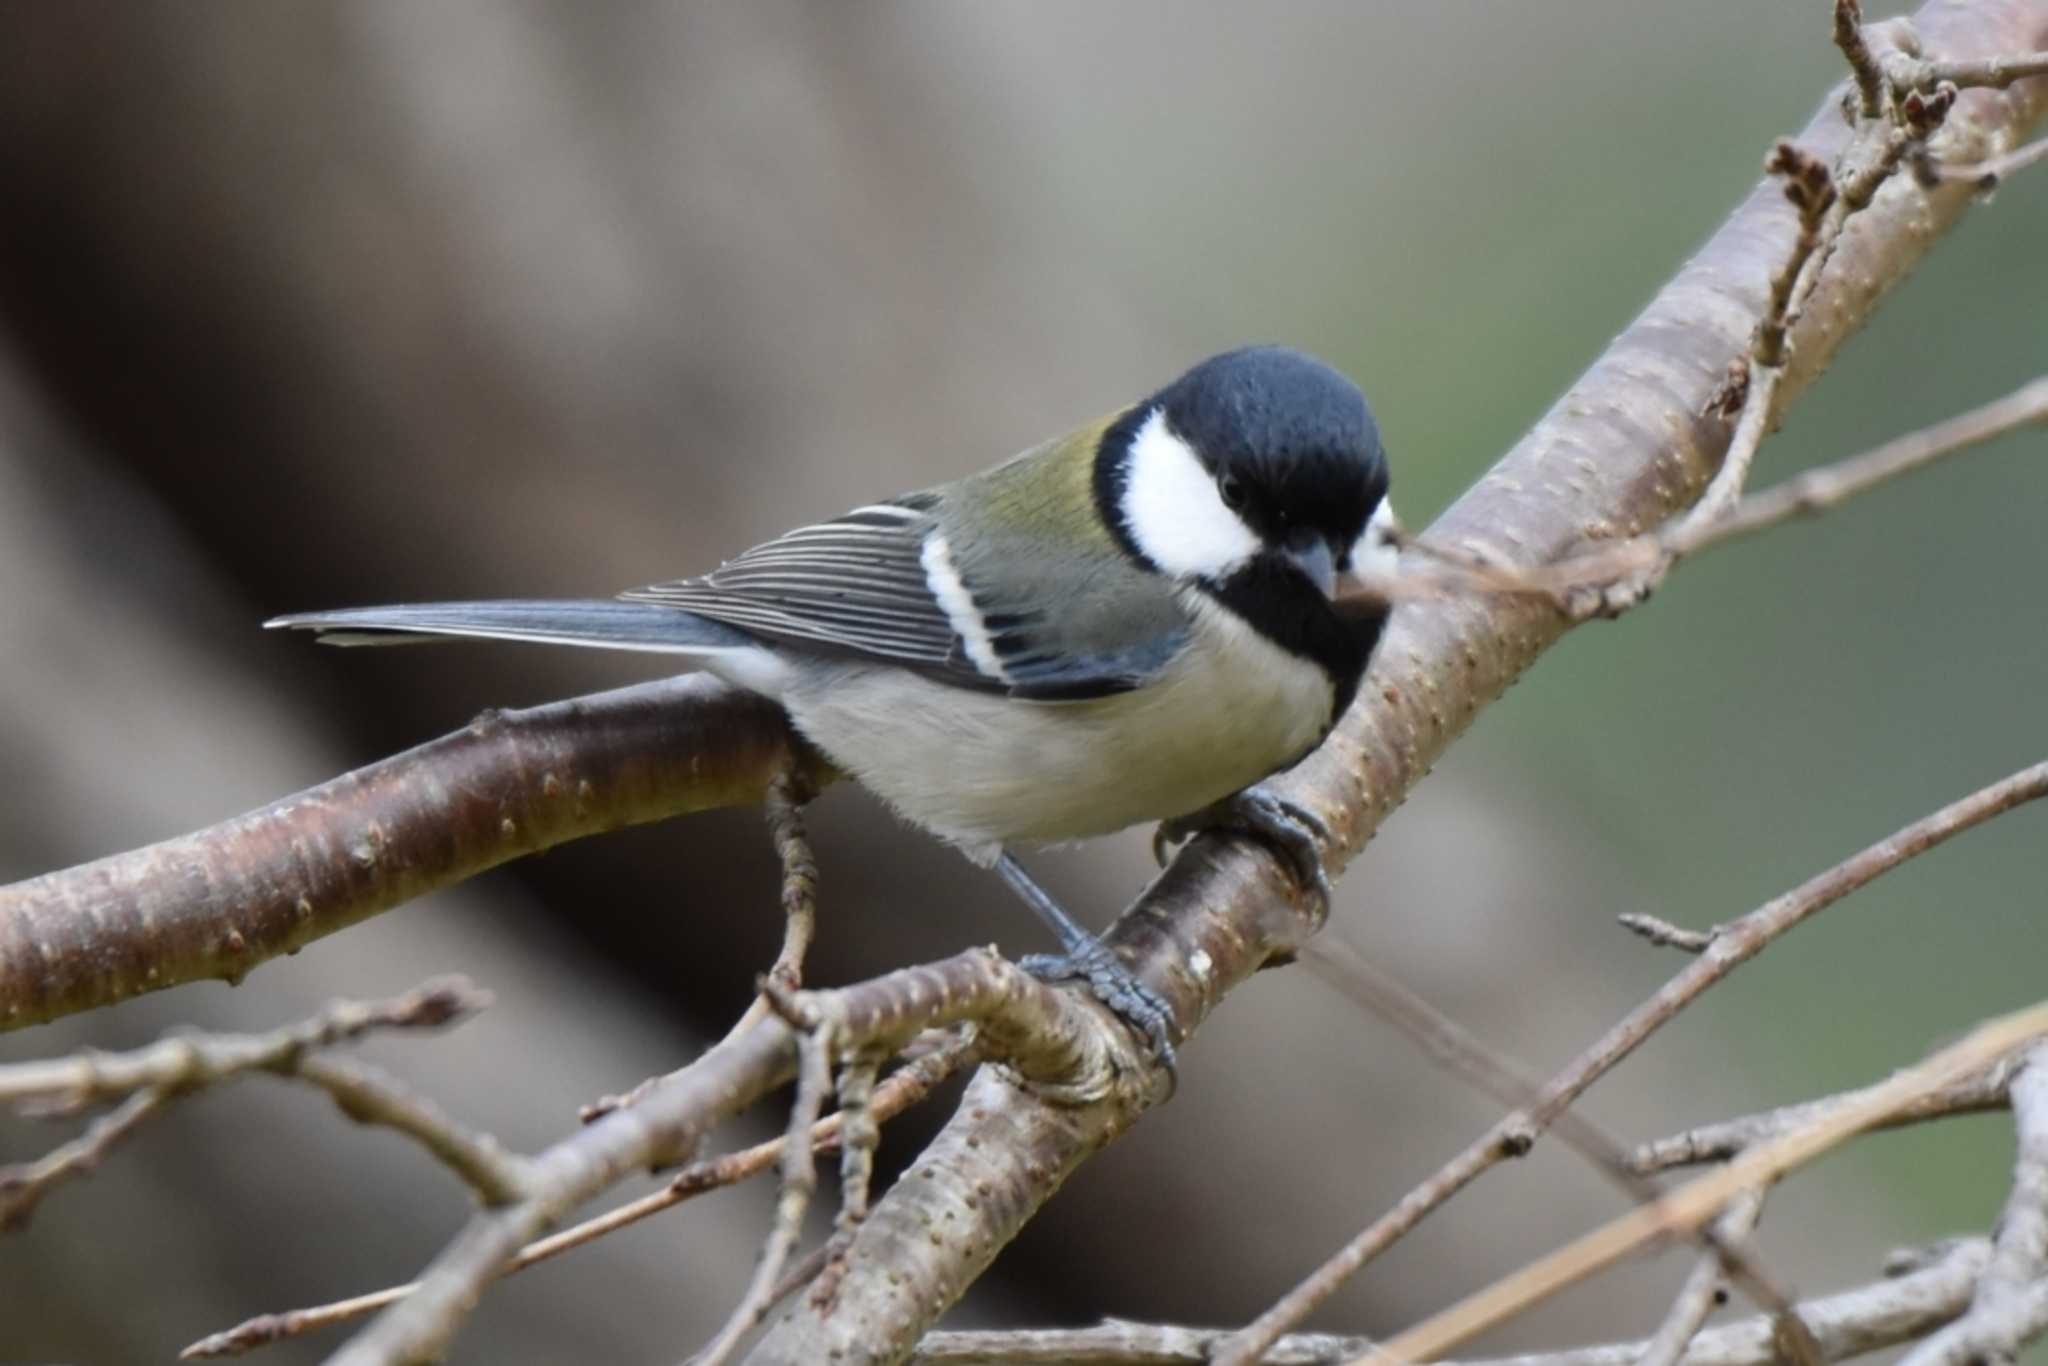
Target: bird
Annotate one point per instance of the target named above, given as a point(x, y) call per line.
point(1139, 621)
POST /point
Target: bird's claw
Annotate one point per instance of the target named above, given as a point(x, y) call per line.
point(1116, 986)
point(1290, 829)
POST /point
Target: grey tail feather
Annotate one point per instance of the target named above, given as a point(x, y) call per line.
point(601, 623)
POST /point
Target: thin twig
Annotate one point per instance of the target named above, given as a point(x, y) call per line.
point(1698, 1200)
point(815, 1047)
point(898, 1092)
point(1868, 1318)
point(1739, 941)
point(147, 1078)
point(860, 1135)
point(1389, 999)
point(783, 803)
point(1048, 1037)
point(1706, 1286)
point(369, 1096)
point(190, 1060)
point(23, 1186)
point(1804, 495)
point(1907, 72)
point(2010, 1308)
point(1717, 1142)
point(1988, 175)
point(1664, 934)
point(1855, 51)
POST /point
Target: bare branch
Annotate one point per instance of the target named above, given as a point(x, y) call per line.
point(1736, 943)
point(150, 1077)
point(1707, 1284)
point(1387, 998)
point(1907, 73)
point(196, 1060)
point(1690, 1205)
point(1051, 1038)
point(1720, 1141)
point(23, 1187)
point(1855, 51)
point(367, 1096)
point(1804, 495)
point(1866, 1319)
point(1664, 934)
point(816, 1042)
point(2010, 1308)
point(898, 1092)
point(784, 799)
point(219, 902)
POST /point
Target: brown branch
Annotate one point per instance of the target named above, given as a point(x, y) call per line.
point(1808, 494)
point(2010, 1308)
point(1851, 1323)
point(1629, 445)
point(816, 1045)
point(1388, 998)
point(898, 1092)
point(1908, 73)
point(1664, 934)
point(23, 1186)
point(1736, 943)
point(1047, 1037)
point(1707, 1283)
point(1862, 65)
point(219, 902)
point(1690, 1205)
point(1985, 1092)
point(1986, 176)
point(146, 1078)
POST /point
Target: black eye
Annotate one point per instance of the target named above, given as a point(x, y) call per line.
point(1231, 489)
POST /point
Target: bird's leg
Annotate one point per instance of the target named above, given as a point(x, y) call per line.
point(1293, 832)
point(1084, 958)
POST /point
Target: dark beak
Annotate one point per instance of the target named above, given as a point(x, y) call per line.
point(1312, 557)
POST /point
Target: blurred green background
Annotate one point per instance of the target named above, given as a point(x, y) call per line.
point(307, 305)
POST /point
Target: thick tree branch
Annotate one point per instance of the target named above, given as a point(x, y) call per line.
point(219, 902)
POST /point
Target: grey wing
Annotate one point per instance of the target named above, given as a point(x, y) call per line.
point(880, 583)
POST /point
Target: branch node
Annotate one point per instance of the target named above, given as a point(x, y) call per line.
point(1664, 934)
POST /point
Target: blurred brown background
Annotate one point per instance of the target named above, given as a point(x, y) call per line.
point(307, 305)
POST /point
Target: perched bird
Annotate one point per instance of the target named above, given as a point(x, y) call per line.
point(1134, 622)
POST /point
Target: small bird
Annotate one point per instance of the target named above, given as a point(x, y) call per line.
point(1135, 622)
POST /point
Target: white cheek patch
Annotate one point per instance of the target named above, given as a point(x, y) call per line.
point(1377, 552)
point(1172, 509)
point(962, 615)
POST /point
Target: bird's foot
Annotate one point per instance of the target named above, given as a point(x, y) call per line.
point(1088, 959)
point(1291, 830)
point(1113, 984)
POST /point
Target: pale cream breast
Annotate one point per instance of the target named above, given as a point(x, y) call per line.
point(990, 771)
